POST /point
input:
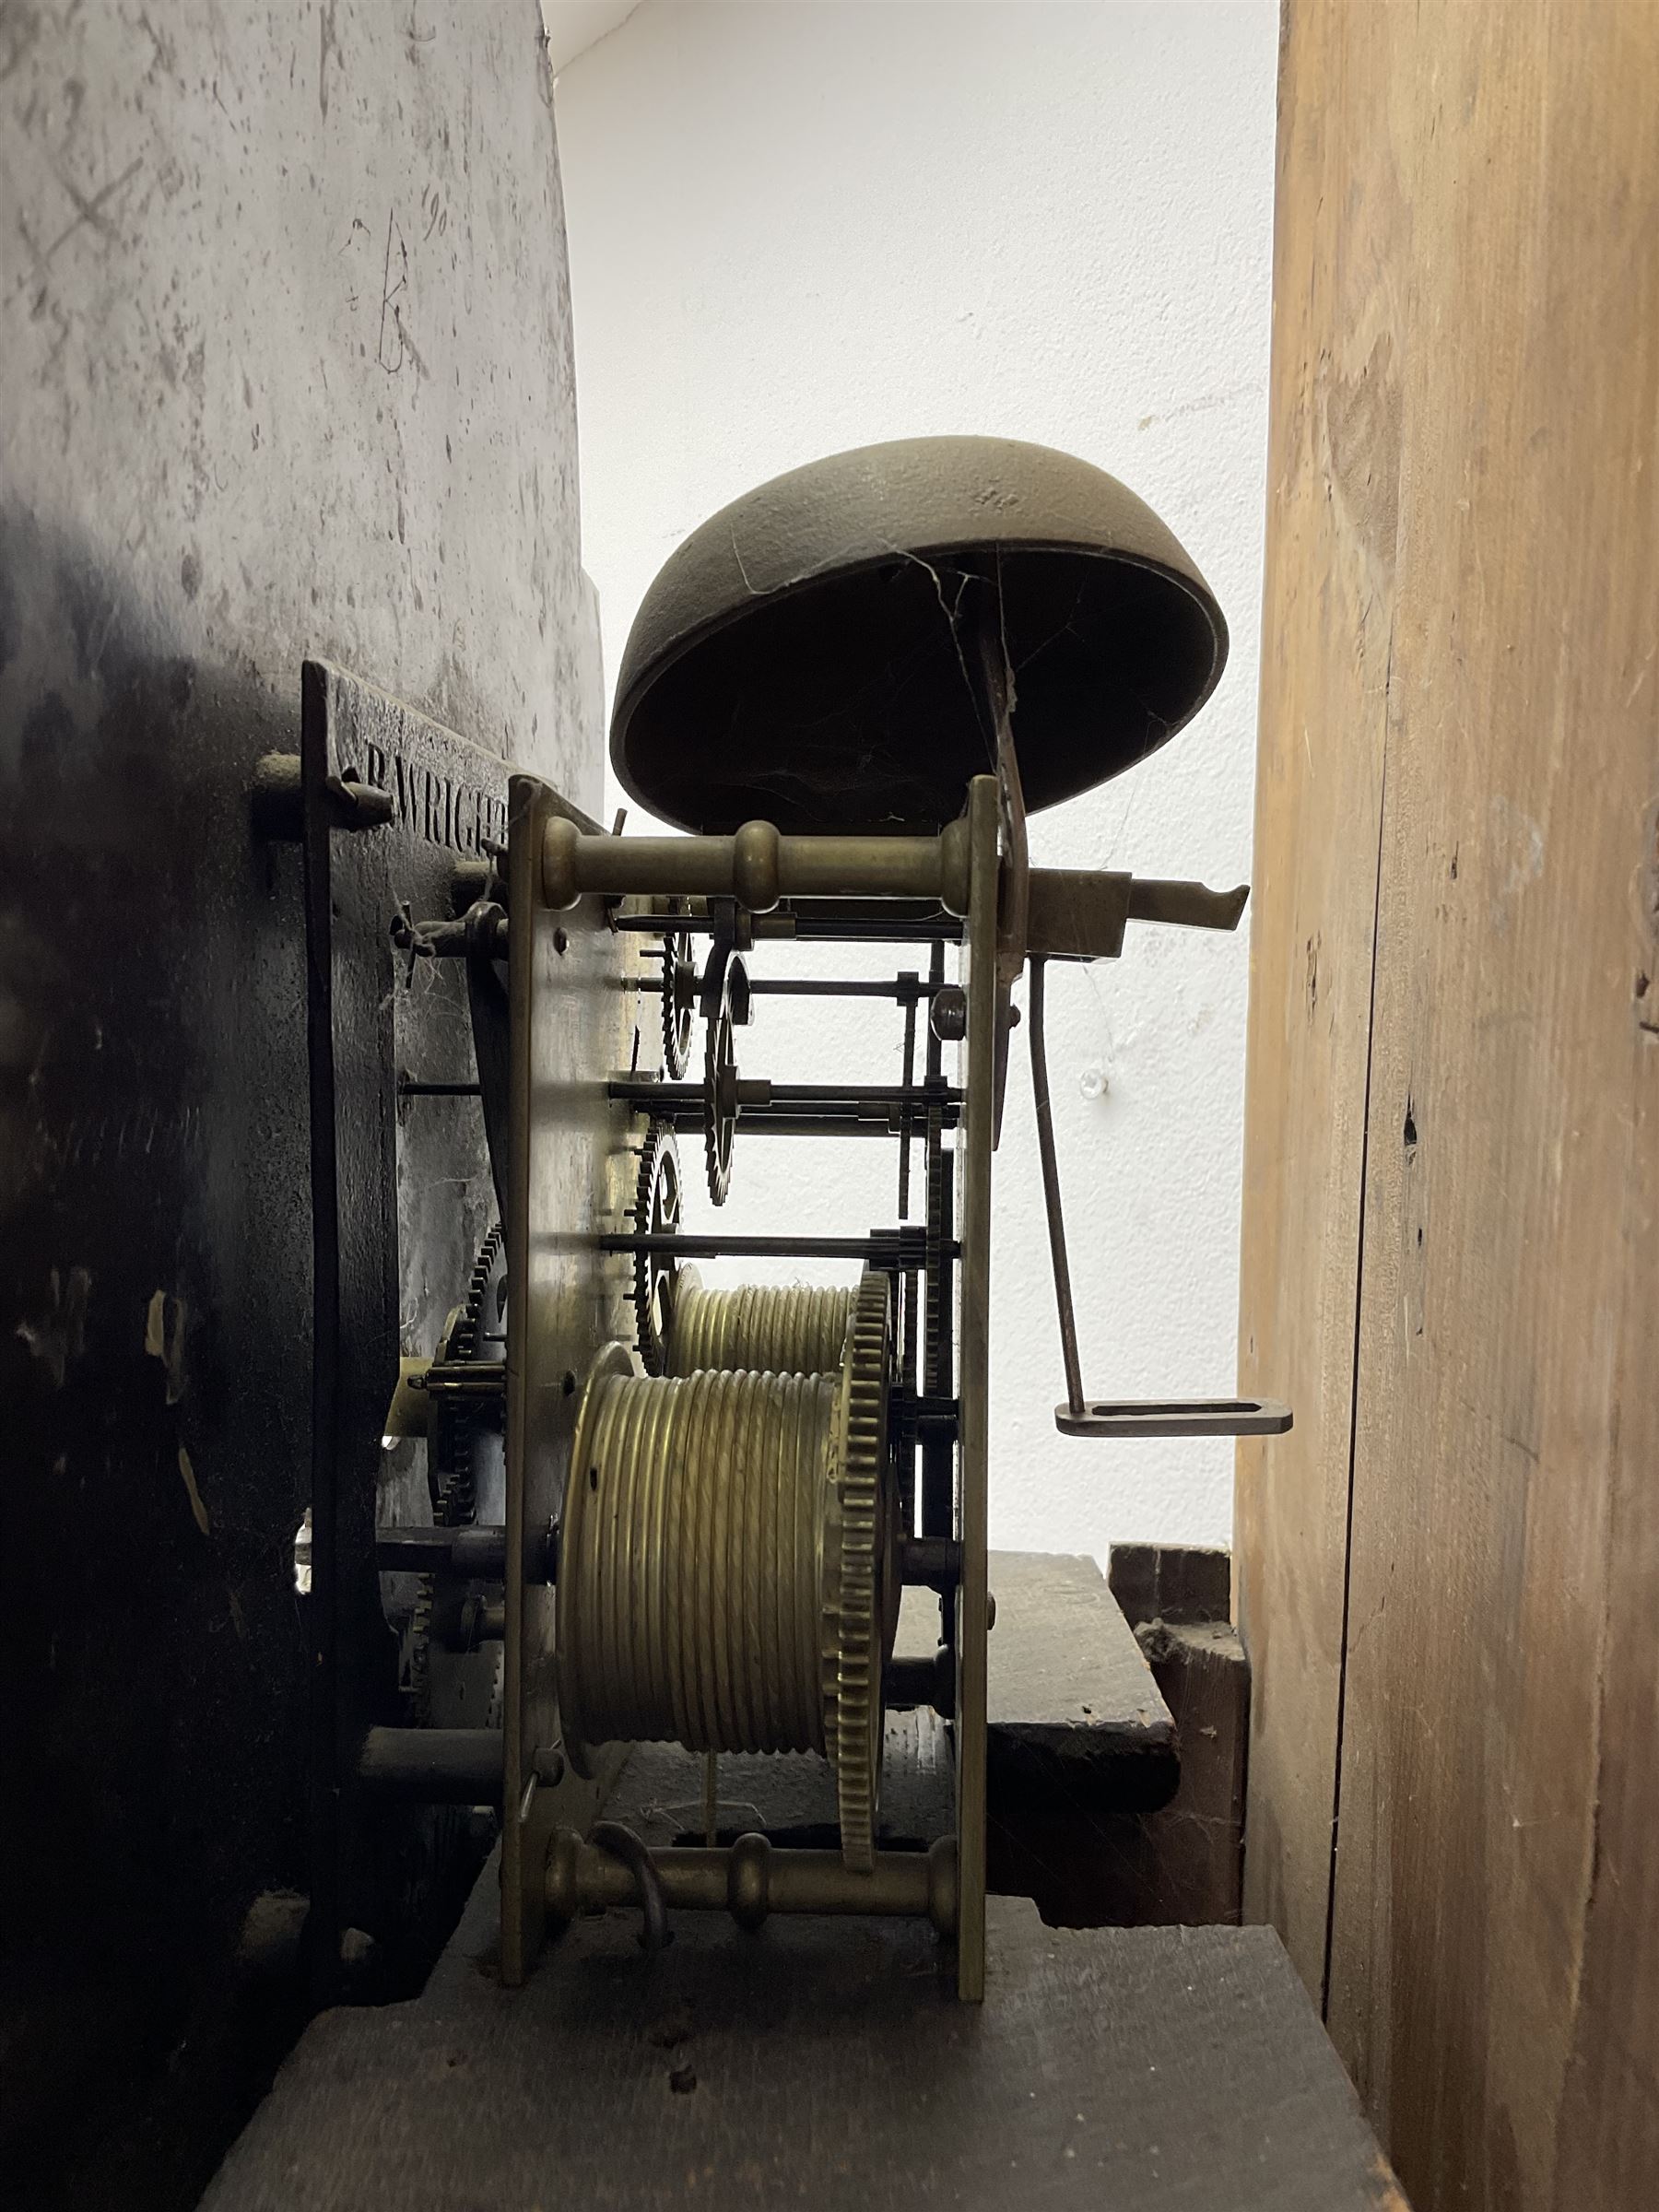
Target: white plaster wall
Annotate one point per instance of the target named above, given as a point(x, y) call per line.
point(796, 228)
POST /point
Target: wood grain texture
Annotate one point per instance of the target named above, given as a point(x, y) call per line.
point(1494, 1960)
point(1177, 1583)
point(1063, 1671)
point(824, 2063)
point(1493, 1949)
point(1343, 230)
point(1196, 1841)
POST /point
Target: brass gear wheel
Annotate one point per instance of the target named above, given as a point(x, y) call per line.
point(679, 1003)
point(720, 1071)
point(859, 1608)
point(656, 1212)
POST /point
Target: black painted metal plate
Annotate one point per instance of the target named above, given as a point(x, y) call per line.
point(401, 1199)
point(287, 371)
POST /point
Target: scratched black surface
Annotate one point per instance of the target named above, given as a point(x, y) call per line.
point(823, 2064)
point(285, 370)
point(401, 1197)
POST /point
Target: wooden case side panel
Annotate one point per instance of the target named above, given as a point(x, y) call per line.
point(1342, 228)
point(1495, 1966)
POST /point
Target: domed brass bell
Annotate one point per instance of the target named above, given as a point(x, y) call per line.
point(806, 658)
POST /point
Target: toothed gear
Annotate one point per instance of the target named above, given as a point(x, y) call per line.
point(720, 1074)
point(655, 1212)
point(420, 1652)
point(935, 1316)
point(450, 1471)
point(439, 1694)
point(857, 1613)
point(450, 1475)
point(679, 1004)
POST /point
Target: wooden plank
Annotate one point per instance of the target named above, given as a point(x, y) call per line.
point(1171, 1582)
point(1195, 1843)
point(824, 2063)
point(1177, 1864)
point(1186, 1865)
point(1495, 1965)
point(1064, 1673)
point(1341, 239)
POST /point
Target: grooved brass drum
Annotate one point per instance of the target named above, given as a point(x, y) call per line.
point(692, 1566)
point(781, 1329)
point(726, 1568)
point(805, 657)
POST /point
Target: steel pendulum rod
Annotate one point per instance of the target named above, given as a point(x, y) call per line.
point(435, 1766)
point(658, 1096)
point(904, 989)
point(807, 929)
point(476, 1553)
point(1051, 1193)
point(766, 1120)
point(894, 1248)
point(906, 1129)
point(801, 1124)
point(930, 1563)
